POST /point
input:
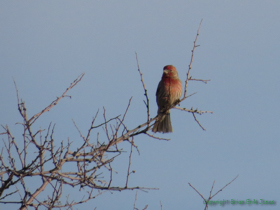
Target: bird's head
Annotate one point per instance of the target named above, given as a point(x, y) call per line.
point(170, 71)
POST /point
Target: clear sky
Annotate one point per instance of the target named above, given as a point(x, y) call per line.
point(45, 45)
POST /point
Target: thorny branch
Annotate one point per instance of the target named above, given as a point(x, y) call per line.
point(91, 162)
point(145, 91)
point(91, 159)
point(191, 61)
point(190, 78)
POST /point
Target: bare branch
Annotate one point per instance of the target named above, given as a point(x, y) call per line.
point(198, 122)
point(145, 91)
point(197, 192)
point(73, 84)
point(106, 122)
point(192, 56)
point(210, 196)
point(134, 206)
point(129, 163)
point(196, 111)
point(155, 137)
point(224, 186)
point(200, 80)
point(145, 207)
point(212, 188)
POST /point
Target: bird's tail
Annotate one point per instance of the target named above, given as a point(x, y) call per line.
point(163, 124)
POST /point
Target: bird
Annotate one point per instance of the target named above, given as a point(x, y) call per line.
point(168, 93)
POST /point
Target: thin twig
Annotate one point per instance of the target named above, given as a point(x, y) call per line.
point(200, 80)
point(158, 138)
point(225, 186)
point(198, 192)
point(212, 188)
point(114, 118)
point(73, 84)
point(210, 197)
point(134, 206)
point(198, 122)
point(193, 110)
point(190, 65)
point(129, 163)
point(145, 91)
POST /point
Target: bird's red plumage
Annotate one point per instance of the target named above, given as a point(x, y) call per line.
point(169, 91)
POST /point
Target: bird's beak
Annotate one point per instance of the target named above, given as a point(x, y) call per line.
point(165, 71)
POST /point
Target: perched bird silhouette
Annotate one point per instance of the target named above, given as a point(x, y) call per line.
point(168, 92)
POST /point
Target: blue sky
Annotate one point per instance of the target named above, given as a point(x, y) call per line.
point(45, 45)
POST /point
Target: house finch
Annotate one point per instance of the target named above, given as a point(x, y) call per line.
point(168, 92)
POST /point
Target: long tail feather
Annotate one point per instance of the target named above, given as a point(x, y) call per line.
point(163, 124)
